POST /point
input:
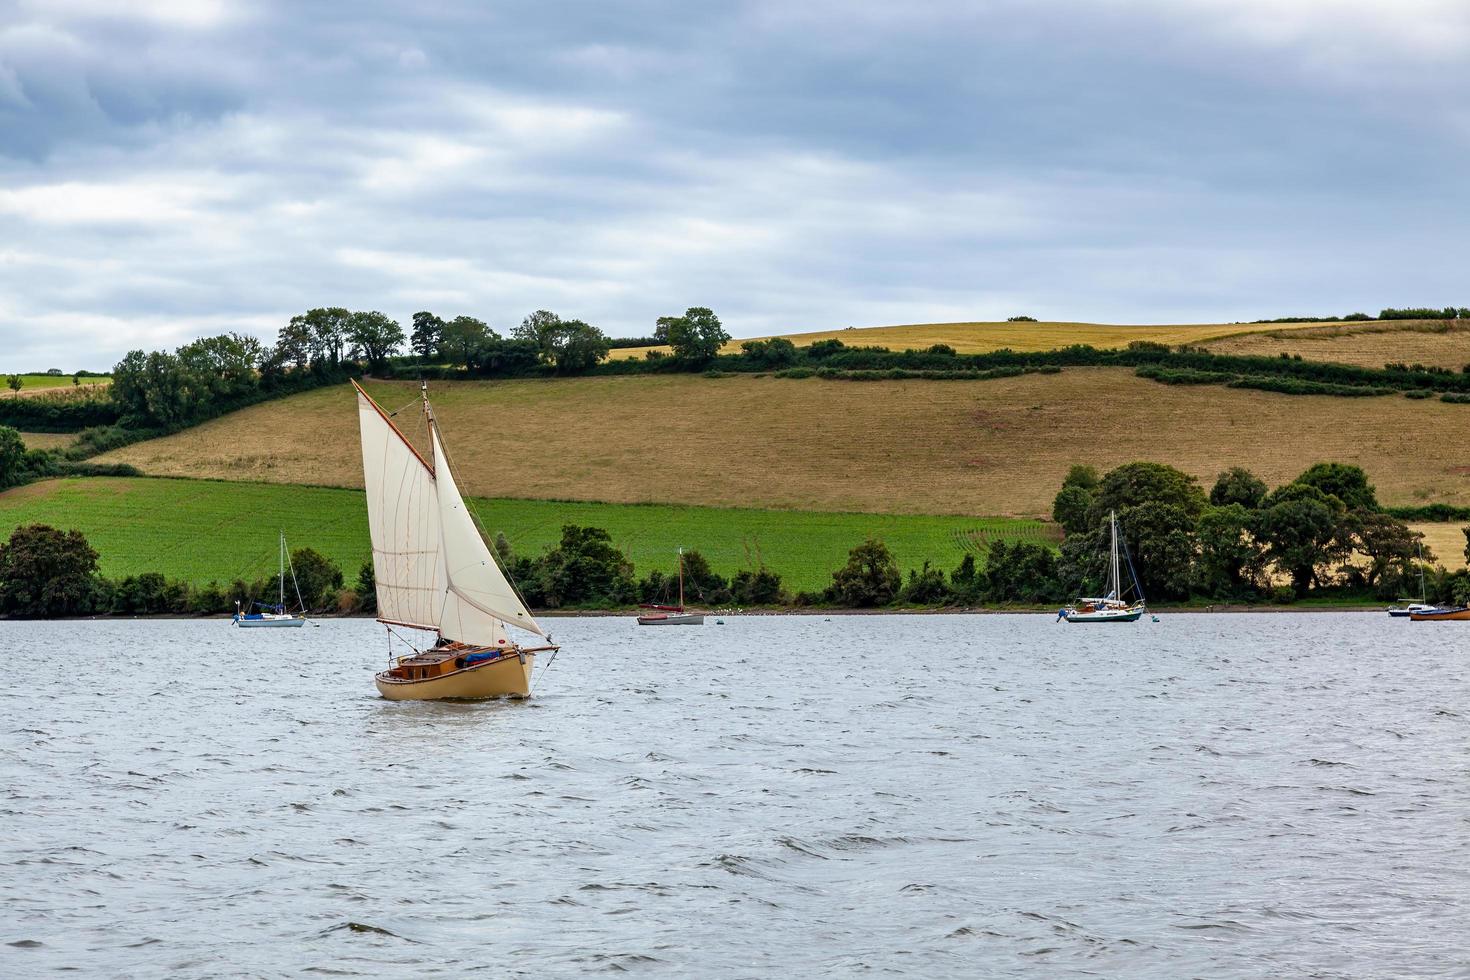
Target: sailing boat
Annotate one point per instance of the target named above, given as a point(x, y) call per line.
point(672, 615)
point(1415, 607)
point(273, 615)
point(1113, 607)
point(435, 572)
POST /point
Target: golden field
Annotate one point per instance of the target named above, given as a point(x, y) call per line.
point(980, 338)
point(48, 440)
point(1433, 343)
point(996, 447)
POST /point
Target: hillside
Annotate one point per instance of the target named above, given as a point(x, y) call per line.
point(997, 447)
point(1372, 345)
point(201, 530)
point(980, 338)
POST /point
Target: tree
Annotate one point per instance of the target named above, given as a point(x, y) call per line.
point(661, 328)
point(427, 330)
point(14, 382)
point(1020, 572)
point(574, 346)
point(374, 336)
point(1070, 508)
point(870, 577)
point(696, 336)
point(13, 468)
point(367, 587)
point(45, 572)
point(778, 352)
point(1345, 482)
point(1299, 526)
point(317, 577)
point(324, 330)
point(584, 567)
point(1230, 559)
point(536, 328)
point(1238, 485)
point(761, 587)
point(463, 339)
point(1387, 544)
point(1158, 508)
point(926, 587)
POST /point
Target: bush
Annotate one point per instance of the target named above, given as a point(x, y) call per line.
point(45, 572)
point(870, 577)
point(926, 587)
point(761, 587)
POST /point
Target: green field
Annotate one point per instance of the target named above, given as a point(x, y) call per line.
point(29, 381)
point(202, 530)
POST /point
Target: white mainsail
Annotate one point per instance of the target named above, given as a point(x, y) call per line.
point(473, 576)
point(403, 520)
point(433, 568)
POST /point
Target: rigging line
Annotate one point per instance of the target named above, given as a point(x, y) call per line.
point(546, 668)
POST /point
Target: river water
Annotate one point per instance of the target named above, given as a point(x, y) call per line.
point(1210, 795)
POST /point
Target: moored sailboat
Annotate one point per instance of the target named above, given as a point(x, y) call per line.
point(1120, 605)
point(434, 571)
point(671, 615)
point(260, 614)
point(1415, 607)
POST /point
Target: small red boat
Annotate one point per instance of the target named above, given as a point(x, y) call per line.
point(671, 615)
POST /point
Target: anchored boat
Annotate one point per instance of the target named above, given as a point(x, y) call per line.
point(1436, 615)
point(671, 615)
point(1415, 607)
point(435, 572)
point(1120, 605)
point(260, 614)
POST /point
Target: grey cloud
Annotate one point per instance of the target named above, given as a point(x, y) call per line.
point(793, 166)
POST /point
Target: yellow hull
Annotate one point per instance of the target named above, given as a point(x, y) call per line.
point(506, 677)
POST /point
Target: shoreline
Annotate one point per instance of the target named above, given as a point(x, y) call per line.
point(1230, 608)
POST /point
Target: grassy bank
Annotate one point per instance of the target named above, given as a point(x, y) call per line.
point(198, 530)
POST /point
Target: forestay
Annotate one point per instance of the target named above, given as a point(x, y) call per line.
point(474, 578)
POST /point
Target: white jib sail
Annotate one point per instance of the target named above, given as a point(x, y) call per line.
point(474, 579)
point(403, 519)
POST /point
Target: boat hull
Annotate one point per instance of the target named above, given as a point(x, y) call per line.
point(687, 619)
point(1122, 616)
point(269, 623)
point(504, 677)
point(1440, 615)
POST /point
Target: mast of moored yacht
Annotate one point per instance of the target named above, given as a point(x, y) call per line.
point(681, 579)
point(1117, 594)
point(281, 575)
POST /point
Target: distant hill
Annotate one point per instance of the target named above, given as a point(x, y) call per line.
point(981, 337)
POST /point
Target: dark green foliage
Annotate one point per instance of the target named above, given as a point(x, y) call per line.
point(926, 587)
point(870, 577)
point(1390, 548)
point(367, 587)
point(318, 578)
point(373, 336)
point(696, 337)
point(1231, 563)
point(1299, 526)
point(1021, 572)
point(1182, 376)
point(1158, 507)
point(45, 573)
point(63, 412)
point(1070, 508)
point(1238, 485)
point(1425, 313)
point(1291, 386)
point(1456, 398)
point(583, 569)
point(13, 468)
point(1344, 481)
point(761, 587)
point(1021, 319)
point(1418, 394)
point(150, 594)
point(778, 352)
point(427, 330)
point(966, 580)
point(1436, 513)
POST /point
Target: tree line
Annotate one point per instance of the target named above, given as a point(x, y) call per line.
point(1323, 533)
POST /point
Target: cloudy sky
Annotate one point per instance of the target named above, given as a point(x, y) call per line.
point(170, 168)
